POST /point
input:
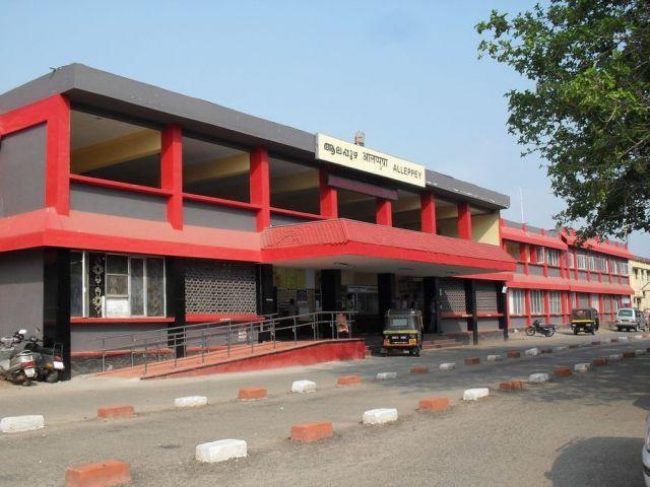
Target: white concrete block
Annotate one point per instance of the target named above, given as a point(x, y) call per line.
point(622, 339)
point(604, 340)
point(190, 401)
point(538, 378)
point(448, 366)
point(303, 386)
point(640, 352)
point(638, 337)
point(615, 357)
point(475, 394)
point(386, 375)
point(380, 416)
point(220, 451)
point(494, 358)
point(18, 424)
point(584, 367)
point(560, 349)
point(532, 352)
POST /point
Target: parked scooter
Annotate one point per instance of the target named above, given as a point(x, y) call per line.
point(49, 361)
point(17, 367)
point(537, 327)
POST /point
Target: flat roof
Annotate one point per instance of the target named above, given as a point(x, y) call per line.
point(86, 86)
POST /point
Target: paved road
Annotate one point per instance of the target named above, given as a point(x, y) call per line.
point(584, 430)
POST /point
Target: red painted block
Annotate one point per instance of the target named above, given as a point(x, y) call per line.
point(546, 350)
point(103, 474)
point(599, 362)
point(110, 412)
point(629, 355)
point(251, 393)
point(348, 380)
point(308, 432)
point(511, 385)
point(562, 372)
point(514, 354)
point(419, 369)
point(472, 360)
point(433, 403)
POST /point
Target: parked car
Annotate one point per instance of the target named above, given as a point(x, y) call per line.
point(630, 319)
point(645, 453)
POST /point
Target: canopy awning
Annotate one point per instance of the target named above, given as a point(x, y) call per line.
point(366, 247)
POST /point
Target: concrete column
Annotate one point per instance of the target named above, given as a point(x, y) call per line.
point(470, 306)
point(175, 278)
point(384, 212)
point(386, 288)
point(464, 221)
point(265, 293)
point(171, 173)
point(56, 302)
point(431, 311)
point(427, 213)
point(260, 186)
point(502, 307)
point(329, 205)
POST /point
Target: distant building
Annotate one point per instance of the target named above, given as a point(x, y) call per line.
point(553, 275)
point(640, 280)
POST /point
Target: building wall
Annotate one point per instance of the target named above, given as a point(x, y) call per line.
point(485, 228)
point(21, 291)
point(22, 171)
point(640, 282)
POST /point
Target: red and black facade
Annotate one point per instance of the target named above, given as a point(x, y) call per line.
point(126, 207)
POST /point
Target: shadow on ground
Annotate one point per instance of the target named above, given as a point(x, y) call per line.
point(599, 461)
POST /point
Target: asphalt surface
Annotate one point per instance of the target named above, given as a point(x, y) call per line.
point(586, 430)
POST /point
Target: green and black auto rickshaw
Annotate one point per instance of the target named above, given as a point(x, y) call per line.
point(403, 332)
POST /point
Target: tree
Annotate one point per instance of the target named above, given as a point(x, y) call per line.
point(588, 112)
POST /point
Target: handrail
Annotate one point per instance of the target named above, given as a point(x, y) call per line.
point(211, 337)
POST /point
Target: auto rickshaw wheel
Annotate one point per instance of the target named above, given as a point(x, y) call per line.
point(575, 331)
point(592, 330)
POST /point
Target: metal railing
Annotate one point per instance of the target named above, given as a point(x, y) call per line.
point(221, 339)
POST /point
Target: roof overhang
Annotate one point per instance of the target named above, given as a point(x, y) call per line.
point(365, 247)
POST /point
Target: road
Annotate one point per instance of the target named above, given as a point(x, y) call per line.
point(585, 430)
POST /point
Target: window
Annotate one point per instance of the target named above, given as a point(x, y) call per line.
point(516, 301)
point(572, 263)
point(513, 249)
point(555, 301)
point(613, 266)
point(581, 258)
point(537, 302)
point(591, 260)
point(622, 268)
point(539, 255)
point(594, 301)
point(114, 286)
point(553, 257)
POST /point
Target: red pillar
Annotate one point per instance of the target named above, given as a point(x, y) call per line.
point(523, 256)
point(171, 173)
point(464, 221)
point(260, 186)
point(384, 212)
point(427, 213)
point(57, 186)
point(329, 201)
point(547, 306)
point(527, 307)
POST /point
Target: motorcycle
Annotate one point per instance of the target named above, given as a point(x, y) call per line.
point(17, 367)
point(537, 327)
point(49, 361)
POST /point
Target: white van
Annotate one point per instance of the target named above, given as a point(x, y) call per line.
point(630, 319)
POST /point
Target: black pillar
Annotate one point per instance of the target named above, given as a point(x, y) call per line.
point(502, 307)
point(265, 294)
point(330, 288)
point(470, 306)
point(56, 303)
point(386, 286)
point(431, 311)
point(175, 267)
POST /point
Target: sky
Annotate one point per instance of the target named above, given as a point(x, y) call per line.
point(406, 73)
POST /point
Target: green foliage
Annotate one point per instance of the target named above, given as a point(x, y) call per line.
point(588, 114)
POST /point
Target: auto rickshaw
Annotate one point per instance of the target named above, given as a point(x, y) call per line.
point(403, 332)
point(584, 320)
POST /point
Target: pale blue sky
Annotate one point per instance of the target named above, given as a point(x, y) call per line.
point(406, 73)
